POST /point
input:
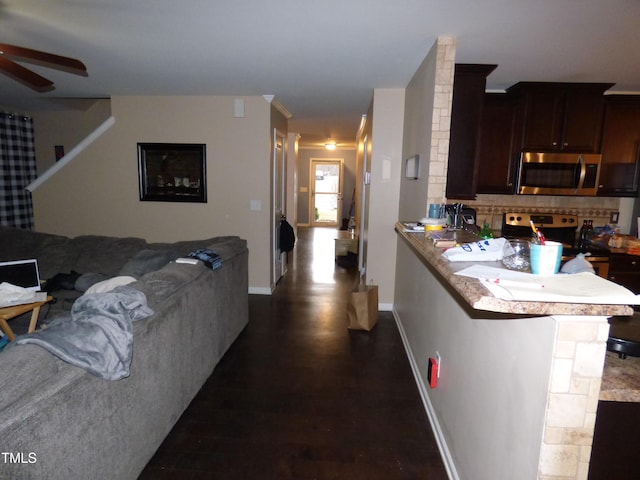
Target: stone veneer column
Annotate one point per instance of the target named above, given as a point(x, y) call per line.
point(576, 376)
point(441, 120)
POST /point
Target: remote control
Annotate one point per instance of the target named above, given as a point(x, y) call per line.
point(190, 261)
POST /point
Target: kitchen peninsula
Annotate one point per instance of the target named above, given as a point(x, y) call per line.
point(519, 382)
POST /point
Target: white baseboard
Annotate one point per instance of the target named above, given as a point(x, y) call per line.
point(260, 291)
point(433, 419)
point(385, 307)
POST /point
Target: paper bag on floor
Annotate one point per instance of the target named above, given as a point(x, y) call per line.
point(363, 307)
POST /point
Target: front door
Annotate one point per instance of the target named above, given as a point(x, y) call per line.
point(326, 193)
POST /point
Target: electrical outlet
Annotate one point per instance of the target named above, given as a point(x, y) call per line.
point(614, 217)
point(439, 362)
point(432, 373)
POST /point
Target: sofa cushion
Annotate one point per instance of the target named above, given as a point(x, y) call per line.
point(225, 246)
point(23, 369)
point(228, 247)
point(51, 251)
point(146, 261)
point(100, 254)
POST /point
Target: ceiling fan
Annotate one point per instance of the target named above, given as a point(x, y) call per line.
point(29, 78)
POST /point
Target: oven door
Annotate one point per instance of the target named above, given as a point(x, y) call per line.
point(601, 268)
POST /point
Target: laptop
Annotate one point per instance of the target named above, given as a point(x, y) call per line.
point(23, 273)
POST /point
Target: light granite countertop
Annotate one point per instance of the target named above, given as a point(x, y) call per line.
point(479, 298)
point(620, 379)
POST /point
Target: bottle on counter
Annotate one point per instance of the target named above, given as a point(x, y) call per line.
point(586, 231)
point(590, 231)
point(583, 234)
point(485, 231)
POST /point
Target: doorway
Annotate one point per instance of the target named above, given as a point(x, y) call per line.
point(326, 192)
point(279, 265)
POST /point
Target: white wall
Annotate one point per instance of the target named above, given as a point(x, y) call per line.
point(489, 407)
point(97, 192)
point(67, 125)
point(386, 170)
point(426, 133)
point(292, 179)
point(419, 100)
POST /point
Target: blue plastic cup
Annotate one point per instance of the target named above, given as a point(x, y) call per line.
point(545, 259)
point(434, 210)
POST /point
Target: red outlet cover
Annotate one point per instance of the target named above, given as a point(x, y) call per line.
point(432, 373)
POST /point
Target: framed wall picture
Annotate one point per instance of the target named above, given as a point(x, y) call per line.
point(172, 172)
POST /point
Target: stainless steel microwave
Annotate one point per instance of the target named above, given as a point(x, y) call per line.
point(558, 173)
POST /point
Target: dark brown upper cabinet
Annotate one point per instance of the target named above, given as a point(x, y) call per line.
point(469, 86)
point(496, 154)
point(560, 117)
point(620, 146)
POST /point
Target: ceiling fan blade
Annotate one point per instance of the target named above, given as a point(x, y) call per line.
point(58, 62)
point(25, 76)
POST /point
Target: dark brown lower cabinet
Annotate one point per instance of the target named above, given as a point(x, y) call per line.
point(625, 270)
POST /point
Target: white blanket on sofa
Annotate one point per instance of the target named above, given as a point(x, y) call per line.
point(98, 336)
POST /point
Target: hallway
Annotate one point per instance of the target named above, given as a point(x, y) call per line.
point(299, 396)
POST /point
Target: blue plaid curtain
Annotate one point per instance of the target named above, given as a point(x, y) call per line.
point(17, 170)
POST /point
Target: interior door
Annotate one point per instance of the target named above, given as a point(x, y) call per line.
point(364, 209)
point(326, 192)
point(279, 266)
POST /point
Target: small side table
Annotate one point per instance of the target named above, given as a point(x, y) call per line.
point(345, 242)
point(7, 313)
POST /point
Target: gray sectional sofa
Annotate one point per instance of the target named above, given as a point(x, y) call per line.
point(59, 421)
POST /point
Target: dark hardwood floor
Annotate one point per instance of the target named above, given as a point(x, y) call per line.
point(299, 396)
point(616, 442)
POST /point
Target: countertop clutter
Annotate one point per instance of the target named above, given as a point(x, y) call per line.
point(476, 294)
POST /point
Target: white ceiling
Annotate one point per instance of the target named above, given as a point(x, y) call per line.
point(322, 58)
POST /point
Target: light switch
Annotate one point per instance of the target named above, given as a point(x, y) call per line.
point(238, 107)
point(256, 205)
point(386, 169)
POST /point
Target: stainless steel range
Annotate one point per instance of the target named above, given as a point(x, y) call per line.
point(559, 227)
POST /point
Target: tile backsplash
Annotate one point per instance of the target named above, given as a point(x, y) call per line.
point(490, 208)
